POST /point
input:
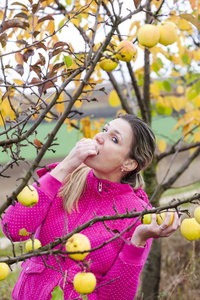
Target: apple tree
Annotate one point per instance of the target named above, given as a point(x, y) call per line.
point(55, 55)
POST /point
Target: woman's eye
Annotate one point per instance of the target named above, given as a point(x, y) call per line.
point(104, 130)
point(115, 140)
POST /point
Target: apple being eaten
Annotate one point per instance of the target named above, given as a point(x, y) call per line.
point(78, 242)
point(28, 196)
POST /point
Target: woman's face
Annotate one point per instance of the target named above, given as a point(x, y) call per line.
point(113, 145)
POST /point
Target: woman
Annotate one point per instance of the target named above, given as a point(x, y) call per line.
point(98, 177)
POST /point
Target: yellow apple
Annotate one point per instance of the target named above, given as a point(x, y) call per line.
point(161, 216)
point(146, 219)
point(29, 245)
point(125, 51)
point(190, 229)
point(4, 270)
point(28, 196)
point(108, 62)
point(197, 214)
point(78, 242)
point(148, 35)
point(168, 33)
point(84, 283)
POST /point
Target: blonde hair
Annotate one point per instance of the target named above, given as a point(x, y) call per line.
point(142, 150)
point(73, 187)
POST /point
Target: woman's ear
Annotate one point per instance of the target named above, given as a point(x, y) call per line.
point(129, 165)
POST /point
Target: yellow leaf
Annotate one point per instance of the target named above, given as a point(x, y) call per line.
point(114, 99)
point(48, 118)
point(51, 26)
point(18, 82)
point(78, 103)
point(23, 232)
point(60, 107)
point(190, 18)
point(162, 145)
point(70, 124)
point(86, 128)
point(197, 101)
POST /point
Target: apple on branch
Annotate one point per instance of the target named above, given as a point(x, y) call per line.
point(148, 35)
point(168, 33)
point(108, 62)
point(190, 229)
point(4, 270)
point(28, 196)
point(126, 51)
point(84, 282)
point(78, 242)
point(30, 244)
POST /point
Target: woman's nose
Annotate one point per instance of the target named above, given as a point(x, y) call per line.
point(99, 138)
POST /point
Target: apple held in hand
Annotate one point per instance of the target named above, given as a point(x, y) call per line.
point(4, 270)
point(168, 33)
point(29, 245)
point(108, 62)
point(78, 242)
point(148, 35)
point(190, 229)
point(28, 196)
point(84, 283)
point(161, 217)
point(125, 51)
point(146, 219)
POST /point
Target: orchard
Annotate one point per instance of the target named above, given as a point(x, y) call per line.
point(141, 57)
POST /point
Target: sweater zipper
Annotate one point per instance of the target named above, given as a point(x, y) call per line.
point(100, 187)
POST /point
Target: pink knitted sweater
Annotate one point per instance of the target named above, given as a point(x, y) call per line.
point(117, 260)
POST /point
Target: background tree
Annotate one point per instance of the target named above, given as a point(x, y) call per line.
point(50, 53)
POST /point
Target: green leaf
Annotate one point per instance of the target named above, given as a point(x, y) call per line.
point(167, 86)
point(57, 293)
point(162, 110)
point(192, 93)
point(67, 60)
point(155, 67)
point(84, 297)
point(68, 2)
point(197, 87)
point(61, 24)
point(185, 59)
point(160, 62)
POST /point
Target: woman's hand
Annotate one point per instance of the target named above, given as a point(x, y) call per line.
point(77, 156)
point(145, 231)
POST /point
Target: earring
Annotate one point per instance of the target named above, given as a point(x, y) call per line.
point(122, 169)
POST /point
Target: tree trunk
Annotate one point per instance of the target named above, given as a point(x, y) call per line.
point(151, 271)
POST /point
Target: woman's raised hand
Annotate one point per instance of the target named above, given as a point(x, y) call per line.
point(83, 149)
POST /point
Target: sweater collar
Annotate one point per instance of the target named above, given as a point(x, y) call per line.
point(106, 186)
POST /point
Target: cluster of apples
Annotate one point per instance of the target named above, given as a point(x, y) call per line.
point(148, 35)
point(166, 34)
point(125, 51)
point(190, 227)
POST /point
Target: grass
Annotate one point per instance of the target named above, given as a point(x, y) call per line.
point(7, 285)
point(175, 191)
